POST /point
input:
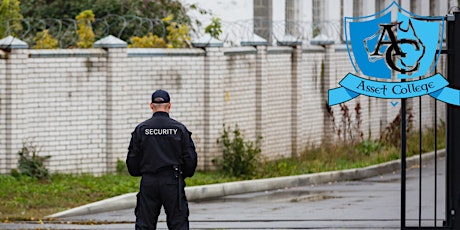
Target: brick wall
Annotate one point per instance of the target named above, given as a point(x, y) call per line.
point(80, 106)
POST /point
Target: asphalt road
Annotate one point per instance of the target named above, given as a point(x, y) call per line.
point(372, 203)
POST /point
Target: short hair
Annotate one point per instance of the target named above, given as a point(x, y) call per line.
point(158, 100)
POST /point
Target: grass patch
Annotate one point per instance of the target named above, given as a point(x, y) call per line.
point(346, 156)
point(27, 198)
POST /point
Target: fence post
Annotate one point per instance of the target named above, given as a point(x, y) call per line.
point(327, 75)
point(215, 70)
point(453, 126)
point(261, 74)
point(296, 93)
point(14, 101)
point(118, 130)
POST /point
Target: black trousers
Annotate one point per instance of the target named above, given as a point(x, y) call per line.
point(158, 190)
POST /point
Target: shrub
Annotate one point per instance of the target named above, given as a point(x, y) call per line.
point(392, 133)
point(214, 29)
point(349, 129)
point(240, 157)
point(178, 34)
point(368, 147)
point(148, 41)
point(43, 40)
point(121, 167)
point(30, 163)
point(85, 31)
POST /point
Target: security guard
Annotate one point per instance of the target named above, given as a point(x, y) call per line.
point(163, 153)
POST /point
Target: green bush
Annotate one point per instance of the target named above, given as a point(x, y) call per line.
point(178, 33)
point(85, 31)
point(147, 41)
point(368, 147)
point(30, 163)
point(43, 40)
point(214, 29)
point(240, 157)
point(121, 167)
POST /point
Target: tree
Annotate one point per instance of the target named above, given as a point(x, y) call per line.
point(10, 18)
point(178, 34)
point(70, 9)
point(127, 24)
point(85, 32)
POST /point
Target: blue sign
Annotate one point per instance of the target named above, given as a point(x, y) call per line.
point(394, 41)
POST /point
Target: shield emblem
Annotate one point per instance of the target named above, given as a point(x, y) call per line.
point(394, 40)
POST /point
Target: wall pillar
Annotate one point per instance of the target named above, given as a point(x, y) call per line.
point(117, 111)
point(15, 100)
point(214, 98)
point(3, 112)
point(327, 73)
point(298, 111)
point(296, 94)
point(328, 83)
point(261, 73)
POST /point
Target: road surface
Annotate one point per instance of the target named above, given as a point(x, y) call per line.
point(372, 203)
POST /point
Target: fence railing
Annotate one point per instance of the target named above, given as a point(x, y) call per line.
point(126, 26)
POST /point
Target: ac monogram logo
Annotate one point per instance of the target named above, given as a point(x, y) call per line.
point(407, 49)
point(394, 48)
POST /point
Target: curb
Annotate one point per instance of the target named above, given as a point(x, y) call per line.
point(193, 193)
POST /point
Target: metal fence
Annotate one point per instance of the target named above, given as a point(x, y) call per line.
point(304, 31)
point(126, 26)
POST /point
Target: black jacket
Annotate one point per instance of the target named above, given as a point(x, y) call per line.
point(160, 143)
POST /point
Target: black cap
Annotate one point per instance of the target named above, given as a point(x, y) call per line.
point(160, 96)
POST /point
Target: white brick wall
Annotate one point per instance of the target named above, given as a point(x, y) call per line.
point(240, 93)
point(80, 106)
point(66, 117)
point(276, 104)
point(314, 95)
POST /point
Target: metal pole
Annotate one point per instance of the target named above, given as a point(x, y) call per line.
point(453, 126)
point(420, 162)
point(435, 162)
point(403, 163)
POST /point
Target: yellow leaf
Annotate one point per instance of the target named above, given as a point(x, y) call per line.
point(168, 18)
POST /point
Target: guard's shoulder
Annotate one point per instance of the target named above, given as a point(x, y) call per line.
point(176, 122)
point(181, 126)
point(142, 124)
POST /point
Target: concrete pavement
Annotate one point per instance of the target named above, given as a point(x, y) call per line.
point(365, 198)
point(194, 193)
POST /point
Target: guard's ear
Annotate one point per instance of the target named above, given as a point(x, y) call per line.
point(151, 106)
